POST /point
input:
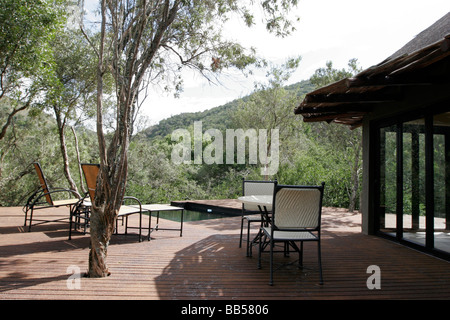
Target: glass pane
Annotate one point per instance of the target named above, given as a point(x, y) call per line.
point(388, 174)
point(414, 181)
point(441, 168)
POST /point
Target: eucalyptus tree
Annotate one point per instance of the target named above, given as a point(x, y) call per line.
point(26, 29)
point(70, 88)
point(153, 40)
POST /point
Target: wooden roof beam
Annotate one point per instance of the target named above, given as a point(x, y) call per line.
point(410, 74)
point(382, 95)
point(397, 81)
point(339, 108)
point(424, 62)
point(333, 116)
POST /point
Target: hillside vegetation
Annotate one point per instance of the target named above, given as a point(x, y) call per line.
point(217, 117)
point(309, 153)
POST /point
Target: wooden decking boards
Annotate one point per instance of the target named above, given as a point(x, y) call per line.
point(206, 263)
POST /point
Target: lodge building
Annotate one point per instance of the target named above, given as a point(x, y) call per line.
point(403, 107)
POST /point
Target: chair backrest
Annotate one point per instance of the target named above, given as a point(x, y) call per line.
point(297, 207)
point(257, 187)
point(43, 183)
point(90, 172)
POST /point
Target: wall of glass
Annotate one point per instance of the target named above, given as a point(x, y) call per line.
point(413, 181)
point(388, 186)
point(441, 177)
point(413, 144)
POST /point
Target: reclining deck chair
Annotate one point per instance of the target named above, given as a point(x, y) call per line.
point(296, 217)
point(251, 213)
point(82, 211)
point(42, 198)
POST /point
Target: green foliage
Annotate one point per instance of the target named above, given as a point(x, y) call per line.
point(312, 153)
point(309, 153)
point(317, 164)
point(34, 46)
point(35, 138)
point(26, 29)
point(325, 76)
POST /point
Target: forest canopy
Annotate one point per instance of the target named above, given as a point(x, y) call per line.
point(309, 154)
point(48, 120)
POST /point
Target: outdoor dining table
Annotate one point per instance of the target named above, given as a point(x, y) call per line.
point(264, 203)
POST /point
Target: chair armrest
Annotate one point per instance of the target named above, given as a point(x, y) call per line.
point(135, 199)
point(31, 198)
point(43, 194)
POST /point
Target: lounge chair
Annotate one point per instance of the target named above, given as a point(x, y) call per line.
point(80, 215)
point(296, 217)
point(251, 213)
point(43, 198)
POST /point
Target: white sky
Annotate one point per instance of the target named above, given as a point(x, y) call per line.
point(329, 30)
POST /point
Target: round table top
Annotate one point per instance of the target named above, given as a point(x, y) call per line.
point(262, 200)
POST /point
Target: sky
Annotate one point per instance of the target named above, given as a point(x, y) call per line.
point(328, 30)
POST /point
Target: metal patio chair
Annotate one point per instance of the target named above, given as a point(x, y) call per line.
point(296, 217)
point(46, 197)
point(80, 215)
point(252, 213)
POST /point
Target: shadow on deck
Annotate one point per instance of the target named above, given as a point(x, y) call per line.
point(206, 263)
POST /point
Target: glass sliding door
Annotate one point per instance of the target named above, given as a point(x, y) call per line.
point(413, 174)
point(387, 210)
point(441, 183)
point(413, 171)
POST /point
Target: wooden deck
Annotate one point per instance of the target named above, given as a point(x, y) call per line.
point(206, 263)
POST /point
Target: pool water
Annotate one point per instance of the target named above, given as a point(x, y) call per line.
point(191, 215)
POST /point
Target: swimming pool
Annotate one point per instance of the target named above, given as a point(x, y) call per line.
point(192, 215)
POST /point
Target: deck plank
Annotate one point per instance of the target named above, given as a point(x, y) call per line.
point(206, 263)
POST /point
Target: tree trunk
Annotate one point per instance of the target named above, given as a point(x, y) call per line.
point(102, 227)
point(111, 181)
point(355, 178)
point(105, 207)
point(100, 232)
point(62, 143)
point(100, 235)
point(11, 116)
point(77, 150)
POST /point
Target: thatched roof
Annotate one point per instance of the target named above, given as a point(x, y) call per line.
point(422, 61)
